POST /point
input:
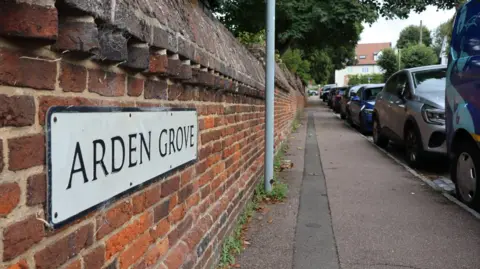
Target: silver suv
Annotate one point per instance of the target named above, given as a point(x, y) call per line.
point(410, 110)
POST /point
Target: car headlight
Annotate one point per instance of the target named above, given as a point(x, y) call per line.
point(433, 115)
point(368, 110)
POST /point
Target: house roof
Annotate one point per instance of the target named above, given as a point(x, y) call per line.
point(368, 50)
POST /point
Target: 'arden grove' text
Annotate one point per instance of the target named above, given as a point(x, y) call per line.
point(134, 149)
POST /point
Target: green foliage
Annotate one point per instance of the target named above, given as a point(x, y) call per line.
point(388, 61)
point(247, 38)
point(364, 79)
point(418, 55)
point(443, 31)
point(321, 66)
point(411, 36)
point(295, 62)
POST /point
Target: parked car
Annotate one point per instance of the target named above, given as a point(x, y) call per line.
point(411, 110)
point(361, 106)
point(331, 96)
point(337, 98)
point(462, 105)
point(325, 91)
point(345, 102)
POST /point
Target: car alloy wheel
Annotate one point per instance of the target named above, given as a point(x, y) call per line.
point(466, 177)
point(411, 143)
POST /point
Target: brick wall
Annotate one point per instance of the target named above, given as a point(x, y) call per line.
point(139, 53)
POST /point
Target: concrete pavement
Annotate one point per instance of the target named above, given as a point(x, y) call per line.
point(381, 215)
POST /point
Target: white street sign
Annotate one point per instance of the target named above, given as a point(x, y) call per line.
point(95, 154)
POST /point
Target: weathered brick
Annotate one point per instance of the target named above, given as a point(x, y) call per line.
point(180, 230)
point(36, 189)
point(138, 57)
point(20, 236)
point(185, 177)
point(177, 214)
point(135, 251)
point(19, 71)
point(60, 251)
point(2, 163)
point(161, 229)
point(114, 218)
point(135, 86)
point(185, 193)
point(106, 83)
point(95, 258)
point(158, 63)
point(73, 78)
point(146, 199)
point(76, 35)
point(19, 265)
point(193, 200)
point(164, 39)
point(170, 186)
point(156, 252)
point(117, 242)
point(17, 111)
point(156, 89)
point(76, 264)
point(176, 256)
point(9, 197)
point(28, 21)
point(113, 45)
point(26, 152)
point(161, 211)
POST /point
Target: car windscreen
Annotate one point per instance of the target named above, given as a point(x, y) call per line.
point(371, 93)
point(429, 80)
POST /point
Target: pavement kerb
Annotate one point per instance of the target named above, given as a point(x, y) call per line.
point(419, 176)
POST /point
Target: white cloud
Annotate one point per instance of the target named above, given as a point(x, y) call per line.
point(384, 30)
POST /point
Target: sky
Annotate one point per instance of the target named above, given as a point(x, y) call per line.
point(388, 30)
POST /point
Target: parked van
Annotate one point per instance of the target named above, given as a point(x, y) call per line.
point(463, 104)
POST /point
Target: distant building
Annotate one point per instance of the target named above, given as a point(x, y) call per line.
point(366, 56)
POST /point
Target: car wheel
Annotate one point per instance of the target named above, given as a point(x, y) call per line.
point(343, 116)
point(464, 172)
point(378, 138)
point(413, 147)
point(362, 127)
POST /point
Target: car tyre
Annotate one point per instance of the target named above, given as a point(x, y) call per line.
point(363, 129)
point(343, 116)
point(413, 147)
point(464, 172)
point(378, 138)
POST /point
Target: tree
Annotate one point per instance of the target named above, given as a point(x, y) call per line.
point(418, 55)
point(411, 35)
point(364, 79)
point(294, 61)
point(388, 61)
point(321, 66)
point(443, 31)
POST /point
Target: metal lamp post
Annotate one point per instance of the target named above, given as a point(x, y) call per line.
point(269, 95)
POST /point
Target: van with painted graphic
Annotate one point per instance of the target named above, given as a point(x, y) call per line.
point(463, 104)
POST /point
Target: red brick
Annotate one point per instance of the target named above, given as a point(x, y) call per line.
point(9, 197)
point(193, 201)
point(28, 21)
point(209, 122)
point(156, 89)
point(205, 152)
point(185, 177)
point(185, 193)
point(26, 152)
point(77, 264)
point(60, 251)
point(158, 63)
point(135, 251)
point(95, 258)
point(24, 72)
point(201, 167)
point(161, 211)
point(198, 232)
point(177, 214)
point(176, 256)
point(173, 202)
point(118, 241)
point(36, 189)
point(2, 164)
point(135, 86)
point(213, 159)
point(73, 78)
point(146, 199)
point(160, 230)
point(19, 265)
point(180, 230)
point(17, 111)
point(106, 83)
point(170, 186)
point(114, 218)
point(156, 252)
point(45, 102)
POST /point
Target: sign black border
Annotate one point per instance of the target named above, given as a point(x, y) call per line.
point(92, 109)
